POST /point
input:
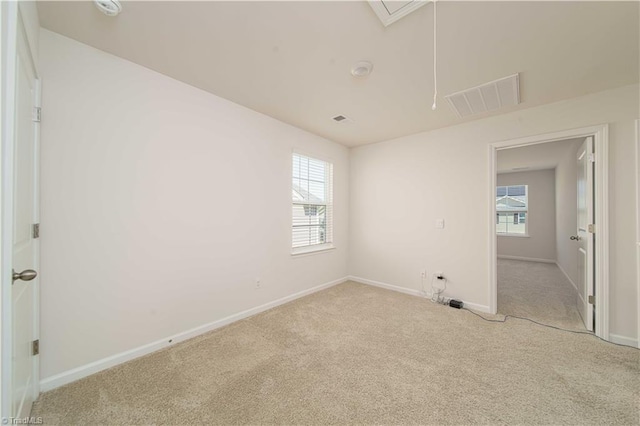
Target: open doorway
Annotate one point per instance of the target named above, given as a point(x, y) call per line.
point(540, 249)
point(536, 226)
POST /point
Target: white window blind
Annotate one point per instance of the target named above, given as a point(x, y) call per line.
point(312, 202)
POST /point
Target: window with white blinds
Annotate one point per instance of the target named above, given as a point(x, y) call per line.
point(512, 208)
point(312, 203)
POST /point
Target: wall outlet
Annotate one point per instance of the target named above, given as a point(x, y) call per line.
point(440, 223)
point(423, 274)
point(258, 283)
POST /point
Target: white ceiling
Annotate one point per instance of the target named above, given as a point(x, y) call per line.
point(291, 60)
point(535, 157)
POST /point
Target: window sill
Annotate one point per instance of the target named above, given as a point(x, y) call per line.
point(514, 235)
point(306, 251)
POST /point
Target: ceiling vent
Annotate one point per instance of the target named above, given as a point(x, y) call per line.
point(501, 93)
point(341, 119)
point(389, 11)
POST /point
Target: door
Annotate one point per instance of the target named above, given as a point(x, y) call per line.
point(24, 290)
point(584, 236)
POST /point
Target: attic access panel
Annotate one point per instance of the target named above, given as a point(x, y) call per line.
point(389, 11)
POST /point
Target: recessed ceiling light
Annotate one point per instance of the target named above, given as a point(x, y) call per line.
point(108, 7)
point(361, 69)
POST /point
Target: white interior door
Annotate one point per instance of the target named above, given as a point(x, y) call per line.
point(24, 290)
point(584, 237)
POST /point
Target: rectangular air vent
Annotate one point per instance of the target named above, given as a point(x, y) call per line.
point(341, 119)
point(389, 11)
point(491, 96)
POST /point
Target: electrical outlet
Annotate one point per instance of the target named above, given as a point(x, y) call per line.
point(423, 274)
point(440, 224)
point(258, 283)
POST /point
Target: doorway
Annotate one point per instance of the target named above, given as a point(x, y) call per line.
point(599, 268)
point(536, 223)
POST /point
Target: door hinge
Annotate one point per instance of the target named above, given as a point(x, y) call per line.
point(592, 300)
point(592, 157)
point(591, 228)
point(37, 114)
point(35, 347)
point(35, 230)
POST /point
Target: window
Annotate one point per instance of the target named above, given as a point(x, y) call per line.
point(511, 210)
point(312, 198)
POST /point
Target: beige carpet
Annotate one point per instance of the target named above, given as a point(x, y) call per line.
point(539, 291)
point(355, 354)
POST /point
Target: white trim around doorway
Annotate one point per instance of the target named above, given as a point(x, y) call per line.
point(638, 222)
point(600, 134)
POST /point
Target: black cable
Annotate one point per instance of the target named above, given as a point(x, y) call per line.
point(506, 317)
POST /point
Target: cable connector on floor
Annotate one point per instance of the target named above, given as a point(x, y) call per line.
point(454, 303)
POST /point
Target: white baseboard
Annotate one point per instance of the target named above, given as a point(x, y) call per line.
point(78, 373)
point(477, 307)
point(568, 277)
point(399, 289)
point(413, 292)
point(623, 340)
point(526, 259)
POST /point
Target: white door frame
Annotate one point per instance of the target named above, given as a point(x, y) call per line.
point(600, 134)
point(12, 37)
point(638, 221)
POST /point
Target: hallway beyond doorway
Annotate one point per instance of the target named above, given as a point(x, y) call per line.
point(538, 291)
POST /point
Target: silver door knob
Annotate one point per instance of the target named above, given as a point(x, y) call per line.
point(575, 237)
point(26, 275)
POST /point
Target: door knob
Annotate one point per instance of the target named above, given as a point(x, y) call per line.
point(575, 237)
point(26, 275)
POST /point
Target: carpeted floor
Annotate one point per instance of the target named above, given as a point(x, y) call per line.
point(539, 291)
point(355, 354)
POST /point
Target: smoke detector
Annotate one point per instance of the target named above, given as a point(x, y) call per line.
point(108, 7)
point(361, 69)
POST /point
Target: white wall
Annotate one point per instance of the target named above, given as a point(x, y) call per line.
point(541, 217)
point(567, 213)
point(400, 187)
point(161, 205)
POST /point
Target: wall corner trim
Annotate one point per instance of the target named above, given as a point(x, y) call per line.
point(78, 373)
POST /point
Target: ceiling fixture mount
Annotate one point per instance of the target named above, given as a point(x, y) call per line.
point(361, 69)
point(108, 7)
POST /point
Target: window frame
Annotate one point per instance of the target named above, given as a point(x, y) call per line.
point(329, 206)
point(526, 211)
